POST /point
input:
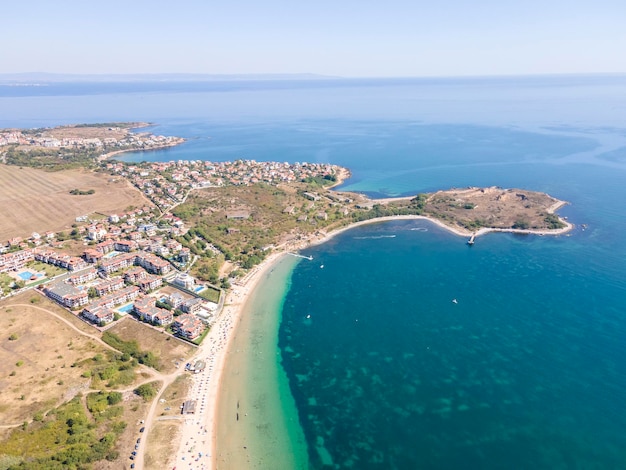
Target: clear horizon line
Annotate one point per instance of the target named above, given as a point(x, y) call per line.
point(278, 75)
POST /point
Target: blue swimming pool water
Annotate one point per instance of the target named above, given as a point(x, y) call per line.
point(198, 289)
point(126, 308)
point(26, 275)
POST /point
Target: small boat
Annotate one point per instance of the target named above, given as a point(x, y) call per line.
point(308, 316)
point(454, 301)
point(321, 266)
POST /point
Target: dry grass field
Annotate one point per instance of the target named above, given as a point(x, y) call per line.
point(37, 351)
point(86, 132)
point(163, 444)
point(493, 207)
point(167, 348)
point(35, 200)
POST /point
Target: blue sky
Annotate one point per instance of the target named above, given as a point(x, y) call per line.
point(343, 38)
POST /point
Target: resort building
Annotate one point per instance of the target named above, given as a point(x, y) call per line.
point(125, 245)
point(16, 260)
point(188, 326)
point(164, 317)
point(189, 407)
point(185, 280)
point(106, 287)
point(92, 256)
point(81, 277)
point(96, 232)
point(175, 300)
point(135, 236)
point(135, 274)
point(66, 294)
point(124, 295)
point(148, 311)
point(192, 305)
point(98, 315)
point(116, 263)
point(150, 282)
point(71, 263)
point(106, 246)
point(153, 263)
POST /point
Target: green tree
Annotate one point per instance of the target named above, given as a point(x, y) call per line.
point(521, 224)
point(146, 391)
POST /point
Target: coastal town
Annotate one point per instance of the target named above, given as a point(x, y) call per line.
point(119, 140)
point(123, 269)
point(167, 184)
point(77, 145)
point(183, 262)
point(133, 263)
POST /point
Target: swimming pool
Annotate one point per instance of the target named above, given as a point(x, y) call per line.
point(125, 308)
point(198, 289)
point(26, 275)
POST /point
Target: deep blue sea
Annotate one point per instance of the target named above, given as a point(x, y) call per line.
point(528, 369)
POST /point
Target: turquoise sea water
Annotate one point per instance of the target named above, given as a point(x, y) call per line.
point(527, 370)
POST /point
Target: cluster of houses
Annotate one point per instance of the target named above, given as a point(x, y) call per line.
point(97, 290)
point(126, 260)
point(167, 183)
point(97, 295)
point(114, 138)
point(128, 254)
point(15, 260)
point(122, 233)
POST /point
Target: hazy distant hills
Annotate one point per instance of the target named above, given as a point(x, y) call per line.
point(43, 77)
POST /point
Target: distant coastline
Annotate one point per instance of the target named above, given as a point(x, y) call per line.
point(77, 145)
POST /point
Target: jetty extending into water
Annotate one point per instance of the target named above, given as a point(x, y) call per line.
point(310, 258)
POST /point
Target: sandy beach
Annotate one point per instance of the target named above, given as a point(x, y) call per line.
point(201, 431)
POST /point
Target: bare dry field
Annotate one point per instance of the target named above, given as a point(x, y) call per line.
point(37, 351)
point(35, 200)
point(86, 132)
point(163, 443)
point(167, 348)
